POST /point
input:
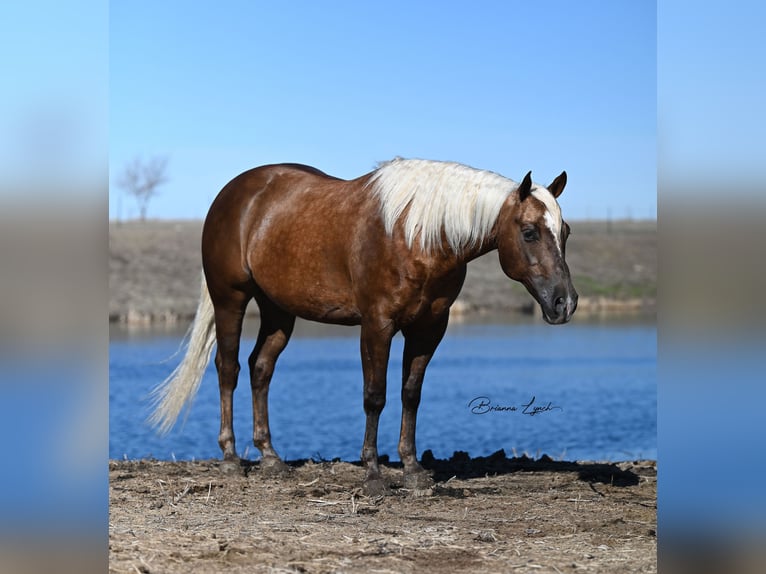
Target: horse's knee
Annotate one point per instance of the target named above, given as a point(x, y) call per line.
point(374, 401)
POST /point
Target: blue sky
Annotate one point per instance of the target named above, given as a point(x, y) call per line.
point(505, 86)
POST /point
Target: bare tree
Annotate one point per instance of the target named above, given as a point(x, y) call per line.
point(141, 179)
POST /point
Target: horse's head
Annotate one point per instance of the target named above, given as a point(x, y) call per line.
point(531, 241)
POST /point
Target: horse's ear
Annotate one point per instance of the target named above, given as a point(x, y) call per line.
point(525, 187)
point(558, 184)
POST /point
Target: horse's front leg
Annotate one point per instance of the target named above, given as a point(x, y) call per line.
point(375, 348)
point(420, 342)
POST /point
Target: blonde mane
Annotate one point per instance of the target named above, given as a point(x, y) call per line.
point(448, 197)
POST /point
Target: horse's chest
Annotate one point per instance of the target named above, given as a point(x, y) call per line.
point(433, 297)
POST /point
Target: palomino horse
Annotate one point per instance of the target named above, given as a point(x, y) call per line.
point(387, 251)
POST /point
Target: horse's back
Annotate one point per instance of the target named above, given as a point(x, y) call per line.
point(272, 179)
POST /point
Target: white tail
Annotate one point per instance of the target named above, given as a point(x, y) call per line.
point(174, 393)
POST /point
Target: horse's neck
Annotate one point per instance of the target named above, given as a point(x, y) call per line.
point(468, 254)
point(487, 244)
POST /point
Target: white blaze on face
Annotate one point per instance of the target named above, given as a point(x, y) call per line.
point(552, 216)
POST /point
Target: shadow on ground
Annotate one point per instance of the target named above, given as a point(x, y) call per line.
point(461, 465)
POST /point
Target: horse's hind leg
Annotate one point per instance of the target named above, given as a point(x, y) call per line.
point(420, 342)
point(273, 336)
point(229, 313)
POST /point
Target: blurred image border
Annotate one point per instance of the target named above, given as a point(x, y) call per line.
point(54, 310)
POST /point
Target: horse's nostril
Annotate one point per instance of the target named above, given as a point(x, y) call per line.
point(559, 304)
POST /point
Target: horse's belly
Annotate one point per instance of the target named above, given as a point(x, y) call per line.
point(325, 302)
point(336, 316)
point(323, 312)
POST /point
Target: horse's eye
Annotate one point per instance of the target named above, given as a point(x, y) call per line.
point(530, 234)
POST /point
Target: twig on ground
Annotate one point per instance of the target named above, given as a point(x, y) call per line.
point(177, 498)
point(323, 502)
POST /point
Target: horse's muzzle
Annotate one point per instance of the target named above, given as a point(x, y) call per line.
point(561, 309)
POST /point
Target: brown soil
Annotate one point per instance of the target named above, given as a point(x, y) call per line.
point(155, 270)
point(487, 514)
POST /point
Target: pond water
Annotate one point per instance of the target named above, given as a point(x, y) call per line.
point(595, 382)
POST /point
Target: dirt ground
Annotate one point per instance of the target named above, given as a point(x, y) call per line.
point(486, 514)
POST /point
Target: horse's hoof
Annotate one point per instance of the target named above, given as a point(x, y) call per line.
point(375, 487)
point(419, 483)
point(274, 467)
point(231, 466)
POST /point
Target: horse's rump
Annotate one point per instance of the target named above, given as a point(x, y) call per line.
point(299, 238)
